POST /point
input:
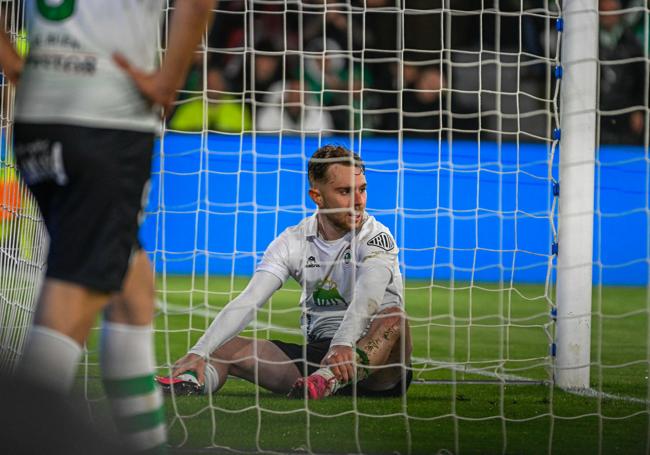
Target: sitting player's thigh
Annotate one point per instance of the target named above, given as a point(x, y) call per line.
point(258, 361)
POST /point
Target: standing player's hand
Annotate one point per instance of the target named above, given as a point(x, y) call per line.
point(340, 359)
point(12, 64)
point(13, 70)
point(152, 85)
point(190, 362)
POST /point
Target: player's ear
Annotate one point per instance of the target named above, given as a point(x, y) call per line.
point(314, 194)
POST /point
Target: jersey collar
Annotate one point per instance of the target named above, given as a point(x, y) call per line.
point(311, 226)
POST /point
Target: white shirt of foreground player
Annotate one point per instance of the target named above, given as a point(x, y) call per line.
point(344, 283)
point(70, 76)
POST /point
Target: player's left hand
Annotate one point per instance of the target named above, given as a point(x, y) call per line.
point(190, 362)
point(153, 86)
point(340, 359)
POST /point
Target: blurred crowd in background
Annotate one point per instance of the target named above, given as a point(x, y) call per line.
point(385, 68)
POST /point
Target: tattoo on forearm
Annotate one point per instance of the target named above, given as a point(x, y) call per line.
point(390, 331)
point(372, 345)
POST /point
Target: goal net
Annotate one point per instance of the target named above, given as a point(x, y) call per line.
point(23, 239)
point(458, 109)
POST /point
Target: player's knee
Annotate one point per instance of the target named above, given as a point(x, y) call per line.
point(127, 310)
point(228, 352)
point(241, 367)
point(138, 286)
point(238, 355)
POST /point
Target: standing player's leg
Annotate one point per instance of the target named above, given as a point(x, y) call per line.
point(127, 347)
point(128, 359)
point(65, 312)
point(381, 354)
point(54, 164)
point(89, 184)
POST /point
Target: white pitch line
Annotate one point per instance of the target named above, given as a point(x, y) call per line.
point(479, 372)
point(257, 326)
point(591, 393)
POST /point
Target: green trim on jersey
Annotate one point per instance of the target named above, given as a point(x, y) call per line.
point(60, 12)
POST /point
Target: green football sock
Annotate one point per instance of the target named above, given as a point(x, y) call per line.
point(127, 367)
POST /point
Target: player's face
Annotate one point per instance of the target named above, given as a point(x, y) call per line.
point(341, 199)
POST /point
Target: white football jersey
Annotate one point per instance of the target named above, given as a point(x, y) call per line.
point(327, 271)
point(69, 75)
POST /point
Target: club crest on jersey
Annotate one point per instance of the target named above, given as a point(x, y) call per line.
point(382, 241)
point(347, 257)
point(311, 262)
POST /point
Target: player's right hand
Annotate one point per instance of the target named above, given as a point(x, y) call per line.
point(190, 362)
point(153, 86)
point(340, 360)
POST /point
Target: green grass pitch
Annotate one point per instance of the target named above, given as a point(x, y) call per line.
point(467, 409)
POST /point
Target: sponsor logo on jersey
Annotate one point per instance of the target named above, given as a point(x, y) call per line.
point(327, 294)
point(383, 241)
point(82, 65)
point(311, 262)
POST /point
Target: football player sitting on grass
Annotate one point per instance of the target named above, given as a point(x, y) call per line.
point(357, 334)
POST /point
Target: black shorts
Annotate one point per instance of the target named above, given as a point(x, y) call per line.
point(316, 350)
point(90, 185)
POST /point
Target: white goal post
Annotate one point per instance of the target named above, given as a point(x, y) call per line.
point(23, 239)
point(576, 211)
